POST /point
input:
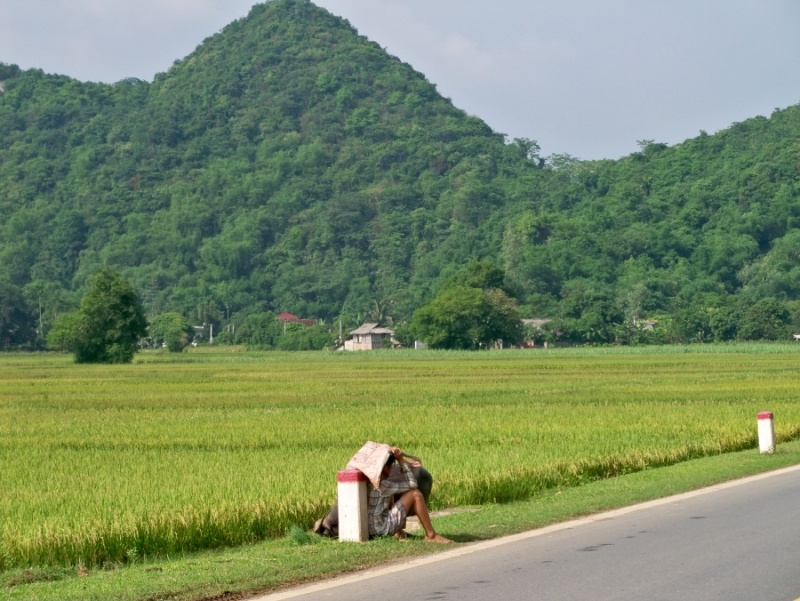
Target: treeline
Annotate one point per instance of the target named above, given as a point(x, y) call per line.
point(289, 164)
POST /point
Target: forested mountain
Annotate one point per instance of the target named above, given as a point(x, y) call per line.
point(289, 164)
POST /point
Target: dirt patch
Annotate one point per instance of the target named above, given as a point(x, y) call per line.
point(412, 523)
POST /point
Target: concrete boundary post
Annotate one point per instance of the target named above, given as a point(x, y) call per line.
point(352, 491)
point(766, 432)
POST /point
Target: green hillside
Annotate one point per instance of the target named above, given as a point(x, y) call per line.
point(289, 164)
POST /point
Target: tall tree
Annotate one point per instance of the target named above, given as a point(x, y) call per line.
point(768, 319)
point(110, 321)
point(472, 311)
point(172, 330)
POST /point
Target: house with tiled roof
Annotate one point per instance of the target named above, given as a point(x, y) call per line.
point(289, 318)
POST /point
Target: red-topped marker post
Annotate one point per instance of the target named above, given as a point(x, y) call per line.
point(352, 490)
point(766, 432)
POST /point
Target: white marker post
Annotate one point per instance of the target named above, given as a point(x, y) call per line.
point(766, 432)
point(352, 491)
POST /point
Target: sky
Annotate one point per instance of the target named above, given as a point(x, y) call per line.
point(588, 78)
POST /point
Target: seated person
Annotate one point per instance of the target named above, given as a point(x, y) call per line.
point(393, 501)
point(329, 525)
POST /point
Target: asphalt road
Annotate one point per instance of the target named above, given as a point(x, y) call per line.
point(738, 541)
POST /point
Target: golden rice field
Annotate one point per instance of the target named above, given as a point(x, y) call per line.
point(103, 464)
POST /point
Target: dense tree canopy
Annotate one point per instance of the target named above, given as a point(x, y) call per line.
point(109, 324)
point(17, 319)
point(171, 330)
point(289, 164)
point(472, 311)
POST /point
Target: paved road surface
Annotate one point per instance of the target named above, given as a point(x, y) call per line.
point(734, 542)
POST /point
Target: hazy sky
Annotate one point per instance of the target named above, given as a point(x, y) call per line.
point(583, 77)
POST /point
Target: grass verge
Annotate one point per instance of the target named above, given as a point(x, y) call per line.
point(234, 574)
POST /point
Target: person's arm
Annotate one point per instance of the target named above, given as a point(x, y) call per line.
point(394, 487)
point(410, 479)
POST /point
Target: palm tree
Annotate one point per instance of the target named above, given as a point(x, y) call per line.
point(379, 313)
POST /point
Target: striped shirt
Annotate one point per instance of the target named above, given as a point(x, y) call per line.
point(381, 500)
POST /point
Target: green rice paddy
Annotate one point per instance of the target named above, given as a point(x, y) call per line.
point(104, 464)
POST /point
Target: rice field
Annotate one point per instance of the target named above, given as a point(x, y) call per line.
point(105, 464)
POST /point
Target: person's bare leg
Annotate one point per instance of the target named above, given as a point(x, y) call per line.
point(414, 503)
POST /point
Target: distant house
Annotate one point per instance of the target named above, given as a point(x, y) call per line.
point(369, 336)
point(533, 328)
point(645, 325)
point(289, 318)
point(536, 323)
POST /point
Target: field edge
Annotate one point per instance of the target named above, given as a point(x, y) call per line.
point(258, 569)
